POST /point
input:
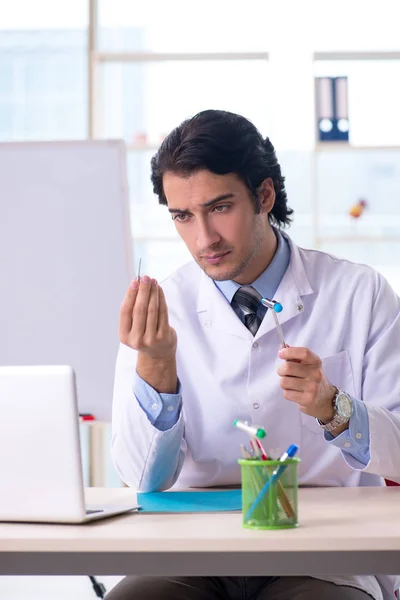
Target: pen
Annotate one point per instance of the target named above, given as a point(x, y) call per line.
point(290, 452)
point(140, 264)
point(284, 500)
point(245, 452)
point(256, 432)
point(276, 474)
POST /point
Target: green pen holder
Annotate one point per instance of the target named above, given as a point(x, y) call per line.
point(269, 502)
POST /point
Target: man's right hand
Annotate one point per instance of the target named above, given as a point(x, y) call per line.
point(143, 322)
point(144, 326)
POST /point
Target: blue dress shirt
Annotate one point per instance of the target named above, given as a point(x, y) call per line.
point(163, 410)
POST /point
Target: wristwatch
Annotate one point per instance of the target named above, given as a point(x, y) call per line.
point(343, 409)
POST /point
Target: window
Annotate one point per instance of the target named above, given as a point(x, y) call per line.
point(43, 49)
point(178, 26)
point(142, 102)
point(355, 25)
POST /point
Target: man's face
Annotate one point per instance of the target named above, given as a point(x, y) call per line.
point(215, 217)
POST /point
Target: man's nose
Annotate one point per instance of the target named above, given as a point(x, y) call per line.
point(207, 237)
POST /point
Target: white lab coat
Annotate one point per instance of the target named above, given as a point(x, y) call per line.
point(347, 314)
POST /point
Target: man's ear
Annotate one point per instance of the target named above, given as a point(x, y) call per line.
point(266, 195)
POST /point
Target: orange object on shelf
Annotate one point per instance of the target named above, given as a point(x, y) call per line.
point(357, 210)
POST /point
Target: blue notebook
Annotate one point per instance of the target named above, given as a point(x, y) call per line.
point(190, 502)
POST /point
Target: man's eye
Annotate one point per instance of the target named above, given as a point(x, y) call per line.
point(181, 217)
point(221, 208)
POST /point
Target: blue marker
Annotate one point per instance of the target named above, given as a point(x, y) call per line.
point(291, 451)
point(276, 307)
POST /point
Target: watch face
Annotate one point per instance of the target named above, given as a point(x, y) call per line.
point(344, 405)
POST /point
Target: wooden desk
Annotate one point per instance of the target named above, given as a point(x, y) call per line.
point(343, 530)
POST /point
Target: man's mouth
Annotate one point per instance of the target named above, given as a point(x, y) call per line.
point(215, 258)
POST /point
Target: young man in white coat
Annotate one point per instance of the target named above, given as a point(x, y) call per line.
point(199, 351)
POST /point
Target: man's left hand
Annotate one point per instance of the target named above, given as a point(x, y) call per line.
point(303, 381)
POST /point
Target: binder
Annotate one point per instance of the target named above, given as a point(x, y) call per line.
point(332, 113)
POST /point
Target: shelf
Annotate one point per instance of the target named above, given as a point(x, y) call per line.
point(102, 57)
point(346, 147)
point(319, 147)
point(142, 147)
point(356, 55)
point(357, 238)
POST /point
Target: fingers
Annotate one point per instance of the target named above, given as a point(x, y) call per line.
point(304, 383)
point(163, 324)
point(303, 355)
point(294, 369)
point(126, 311)
point(140, 311)
point(152, 314)
point(293, 384)
point(307, 387)
point(143, 323)
point(301, 375)
point(299, 390)
point(298, 398)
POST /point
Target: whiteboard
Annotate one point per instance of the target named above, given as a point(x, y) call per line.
point(65, 260)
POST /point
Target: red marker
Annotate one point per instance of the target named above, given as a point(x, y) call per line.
point(260, 446)
point(86, 417)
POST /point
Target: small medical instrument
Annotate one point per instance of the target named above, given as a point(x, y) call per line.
point(276, 307)
point(255, 432)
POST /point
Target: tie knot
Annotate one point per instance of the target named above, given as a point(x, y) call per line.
point(248, 298)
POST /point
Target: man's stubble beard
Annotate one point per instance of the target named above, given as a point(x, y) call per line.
point(258, 238)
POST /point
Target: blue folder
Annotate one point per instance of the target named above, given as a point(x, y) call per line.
point(190, 502)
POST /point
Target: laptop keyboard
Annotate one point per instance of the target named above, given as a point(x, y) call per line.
point(91, 512)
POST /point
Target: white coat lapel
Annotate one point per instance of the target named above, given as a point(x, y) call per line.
point(215, 311)
point(292, 288)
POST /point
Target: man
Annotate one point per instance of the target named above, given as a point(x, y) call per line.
point(200, 351)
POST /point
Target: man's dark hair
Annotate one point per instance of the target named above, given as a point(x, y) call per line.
point(222, 142)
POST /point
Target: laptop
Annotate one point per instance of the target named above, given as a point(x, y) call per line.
point(41, 476)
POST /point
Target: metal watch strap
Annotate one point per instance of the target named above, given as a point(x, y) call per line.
point(336, 422)
point(337, 419)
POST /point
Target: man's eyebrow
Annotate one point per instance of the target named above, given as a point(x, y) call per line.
point(205, 205)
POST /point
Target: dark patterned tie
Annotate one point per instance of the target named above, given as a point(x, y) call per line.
point(248, 299)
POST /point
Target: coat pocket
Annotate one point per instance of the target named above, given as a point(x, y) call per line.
point(338, 371)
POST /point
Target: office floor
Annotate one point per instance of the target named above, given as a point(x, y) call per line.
point(51, 588)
